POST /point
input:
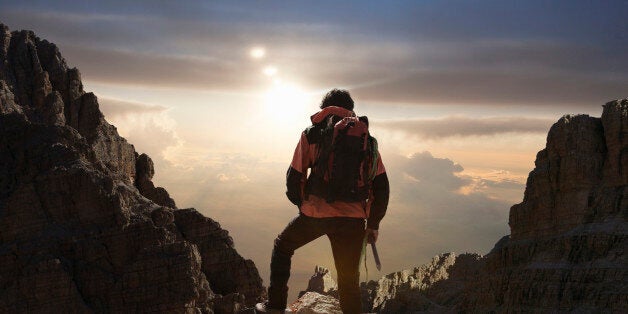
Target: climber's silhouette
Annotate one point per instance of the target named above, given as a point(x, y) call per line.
point(347, 186)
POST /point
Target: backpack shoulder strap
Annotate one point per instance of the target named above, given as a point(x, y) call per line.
point(314, 133)
point(364, 119)
point(373, 157)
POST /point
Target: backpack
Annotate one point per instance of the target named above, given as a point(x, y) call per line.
point(346, 162)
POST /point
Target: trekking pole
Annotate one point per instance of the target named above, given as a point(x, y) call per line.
point(378, 264)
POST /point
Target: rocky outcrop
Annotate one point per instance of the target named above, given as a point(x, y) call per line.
point(569, 235)
point(82, 226)
point(434, 287)
point(225, 269)
point(567, 243)
point(144, 172)
point(316, 303)
point(321, 282)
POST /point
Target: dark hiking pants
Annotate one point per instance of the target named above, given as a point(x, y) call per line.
point(344, 233)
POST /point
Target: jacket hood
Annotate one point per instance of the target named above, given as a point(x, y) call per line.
point(335, 110)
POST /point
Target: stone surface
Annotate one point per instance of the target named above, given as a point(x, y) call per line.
point(82, 227)
point(226, 270)
point(144, 172)
point(316, 303)
point(434, 287)
point(569, 235)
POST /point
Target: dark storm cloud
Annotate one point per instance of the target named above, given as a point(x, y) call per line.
point(466, 126)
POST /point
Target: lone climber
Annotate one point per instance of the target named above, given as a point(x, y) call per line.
point(347, 186)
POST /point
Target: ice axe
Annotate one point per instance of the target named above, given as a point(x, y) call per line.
point(378, 264)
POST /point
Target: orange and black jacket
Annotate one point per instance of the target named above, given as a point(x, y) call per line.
point(314, 206)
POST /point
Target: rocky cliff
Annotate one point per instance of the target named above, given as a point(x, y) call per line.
point(569, 235)
point(82, 226)
point(566, 251)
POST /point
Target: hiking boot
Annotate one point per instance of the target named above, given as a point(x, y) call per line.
point(263, 308)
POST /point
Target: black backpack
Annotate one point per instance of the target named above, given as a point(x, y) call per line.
point(346, 162)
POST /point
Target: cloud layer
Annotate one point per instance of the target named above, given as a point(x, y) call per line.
point(494, 53)
point(147, 126)
point(462, 126)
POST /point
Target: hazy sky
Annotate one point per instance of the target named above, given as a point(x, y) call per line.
point(461, 95)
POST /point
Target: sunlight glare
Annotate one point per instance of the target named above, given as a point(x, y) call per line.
point(285, 102)
point(270, 70)
point(257, 53)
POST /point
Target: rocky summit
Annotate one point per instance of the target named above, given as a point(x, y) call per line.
point(82, 226)
point(566, 250)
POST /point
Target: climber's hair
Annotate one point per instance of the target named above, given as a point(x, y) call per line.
point(337, 97)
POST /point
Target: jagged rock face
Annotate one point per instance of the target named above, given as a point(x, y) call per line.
point(569, 235)
point(562, 191)
point(82, 226)
point(38, 81)
point(225, 269)
point(433, 287)
point(144, 172)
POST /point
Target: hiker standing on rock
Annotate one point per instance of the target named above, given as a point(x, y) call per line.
point(347, 186)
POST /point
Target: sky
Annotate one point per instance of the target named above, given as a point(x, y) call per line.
point(460, 95)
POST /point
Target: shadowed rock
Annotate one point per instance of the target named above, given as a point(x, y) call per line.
point(569, 235)
point(82, 226)
point(144, 172)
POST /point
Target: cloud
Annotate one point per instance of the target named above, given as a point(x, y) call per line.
point(158, 70)
point(441, 182)
point(504, 72)
point(436, 208)
point(116, 108)
point(437, 185)
point(426, 170)
point(461, 126)
point(481, 86)
point(447, 64)
point(148, 127)
point(503, 183)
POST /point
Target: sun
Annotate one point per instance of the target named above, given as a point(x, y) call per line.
point(257, 53)
point(285, 101)
point(270, 70)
